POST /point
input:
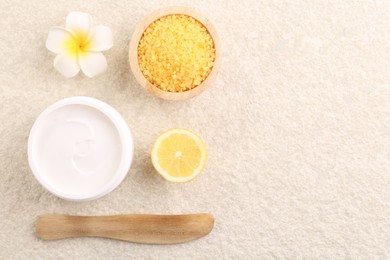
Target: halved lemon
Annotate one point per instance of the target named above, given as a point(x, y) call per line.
point(179, 155)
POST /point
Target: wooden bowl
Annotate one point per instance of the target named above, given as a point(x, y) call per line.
point(133, 53)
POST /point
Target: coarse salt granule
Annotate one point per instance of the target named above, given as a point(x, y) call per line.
point(176, 53)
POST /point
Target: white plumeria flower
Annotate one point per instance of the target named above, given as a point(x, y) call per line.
point(79, 45)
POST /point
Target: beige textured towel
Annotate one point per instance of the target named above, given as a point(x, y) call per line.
point(296, 126)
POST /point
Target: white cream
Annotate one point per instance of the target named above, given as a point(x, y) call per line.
point(76, 150)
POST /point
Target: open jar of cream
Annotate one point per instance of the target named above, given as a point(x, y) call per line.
point(80, 148)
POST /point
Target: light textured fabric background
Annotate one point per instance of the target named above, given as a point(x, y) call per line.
point(297, 129)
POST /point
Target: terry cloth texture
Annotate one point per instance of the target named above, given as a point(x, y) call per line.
point(296, 126)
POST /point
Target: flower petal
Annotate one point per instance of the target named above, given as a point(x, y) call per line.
point(101, 38)
point(79, 23)
point(66, 64)
point(57, 39)
point(92, 63)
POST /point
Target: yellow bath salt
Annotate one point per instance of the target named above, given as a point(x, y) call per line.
point(176, 53)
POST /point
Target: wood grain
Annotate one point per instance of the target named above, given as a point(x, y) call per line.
point(133, 53)
point(137, 228)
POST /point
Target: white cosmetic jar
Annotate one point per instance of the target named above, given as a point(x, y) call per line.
point(80, 148)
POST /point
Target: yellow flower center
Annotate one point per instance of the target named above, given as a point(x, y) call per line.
point(78, 44)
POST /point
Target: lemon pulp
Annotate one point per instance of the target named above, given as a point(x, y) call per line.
point(179, 155)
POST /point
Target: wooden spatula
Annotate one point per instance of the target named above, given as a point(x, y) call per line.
point(148, 229)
